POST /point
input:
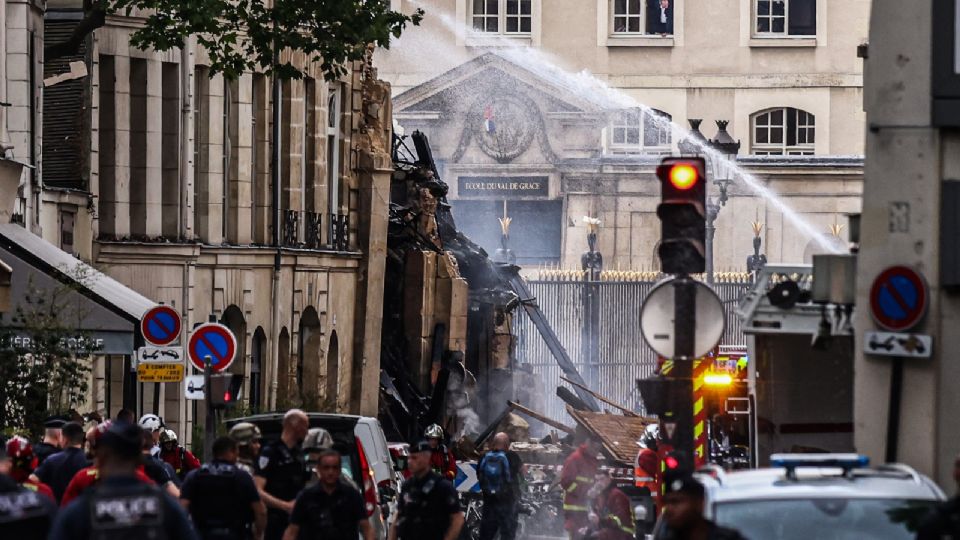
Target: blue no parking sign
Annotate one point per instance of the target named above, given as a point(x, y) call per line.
point(898, 298)
point(214, 340)
point(160, 325)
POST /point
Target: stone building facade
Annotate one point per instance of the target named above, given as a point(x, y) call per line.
point(160, 175)
point(552, 111)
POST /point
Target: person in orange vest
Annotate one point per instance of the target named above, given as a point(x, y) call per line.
point(576, 478)
point(610, 517)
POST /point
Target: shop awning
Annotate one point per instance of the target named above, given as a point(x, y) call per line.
point(99, 307)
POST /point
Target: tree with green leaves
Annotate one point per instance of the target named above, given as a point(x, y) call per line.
point(43, 366)
point(249, 35)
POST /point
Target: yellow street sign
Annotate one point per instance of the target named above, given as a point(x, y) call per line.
point(160, 372)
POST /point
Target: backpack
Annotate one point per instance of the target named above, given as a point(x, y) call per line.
point(495, 469)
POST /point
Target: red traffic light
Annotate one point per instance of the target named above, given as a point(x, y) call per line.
point(671, 462)
point(683, 176)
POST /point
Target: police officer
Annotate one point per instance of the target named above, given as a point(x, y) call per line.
point(280, 472)
point(248, 437)
point(428, 509)
point(120, 506)
point(683, 512)
point(52, 439)
point(24, 514)
point(60, 468)
point(222, 499)
point(331, 509)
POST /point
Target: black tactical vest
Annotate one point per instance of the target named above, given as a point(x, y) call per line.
point(213, 505)
point(24, 515)
point(134, 512)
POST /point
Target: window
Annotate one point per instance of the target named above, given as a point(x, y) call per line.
point(780, 18)
point(641, 17)
point(502, 16)
point(634, 131)
point(333, 151)
point(784, 131)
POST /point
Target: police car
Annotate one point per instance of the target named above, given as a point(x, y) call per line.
point(823, 496)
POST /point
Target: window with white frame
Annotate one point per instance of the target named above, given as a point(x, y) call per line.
point(642, 17)
point(783, 131)
point(508, 17)
point(637, 131)
point(785, 18)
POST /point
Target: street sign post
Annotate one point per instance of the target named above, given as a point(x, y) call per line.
point(159, 373)
point(214, 341)
point(659, 312)
point(160, 355)
point(898, 298)
point(160, 325)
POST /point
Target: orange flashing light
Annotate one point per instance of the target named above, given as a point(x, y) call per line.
point(718, 379)
point(683, 176)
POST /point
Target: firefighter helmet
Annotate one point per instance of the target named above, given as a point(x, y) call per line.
point(150, 422)
point(318, 439)
point(650, 436)
point(168, 435)
point(433, 431)
point(23, 460)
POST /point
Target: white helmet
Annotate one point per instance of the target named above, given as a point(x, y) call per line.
point(433, 432)
point(150, 422)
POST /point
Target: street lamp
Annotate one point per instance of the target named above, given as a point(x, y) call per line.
point(718, 170)
point(728, 148)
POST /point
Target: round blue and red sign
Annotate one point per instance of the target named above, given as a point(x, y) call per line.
point(898, 298)
point(214, 340)
point(160, 325)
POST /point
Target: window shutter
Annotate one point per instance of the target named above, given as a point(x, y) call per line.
point(791, 127)
point(803, 18)
point(64, 110)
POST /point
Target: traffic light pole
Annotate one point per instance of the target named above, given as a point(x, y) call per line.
point(685, 322)
point(210, 425)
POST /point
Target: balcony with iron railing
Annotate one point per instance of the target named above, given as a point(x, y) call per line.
point(304, 230)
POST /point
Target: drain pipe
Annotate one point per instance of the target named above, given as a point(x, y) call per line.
point(275, 221)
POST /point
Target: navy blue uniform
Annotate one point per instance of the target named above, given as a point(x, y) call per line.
point(221, 498)
point(59, 469)
point(121, 508)
point(24, 514)
point(330, 516)
point(426, 505)
point(286, 475)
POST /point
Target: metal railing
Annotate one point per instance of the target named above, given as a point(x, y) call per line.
point(305, 230)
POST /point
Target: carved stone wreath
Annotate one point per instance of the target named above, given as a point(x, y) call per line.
point(504, 127)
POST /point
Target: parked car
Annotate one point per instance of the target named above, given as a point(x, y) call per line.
point(358, 463)
point(400, 452)
point(823, 496)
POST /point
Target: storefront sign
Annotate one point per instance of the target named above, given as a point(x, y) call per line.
point(93, 342)
point(160, 372)
point(503, 186)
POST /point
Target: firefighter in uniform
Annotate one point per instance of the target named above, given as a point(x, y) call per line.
point(222, 499)
point(577, 476)
point(120, 506)
point(429, 508)
point(280, 472)
point(182, 460)
point(24, 513)
point(441, 458)
point(23, 462)
point(610, 517)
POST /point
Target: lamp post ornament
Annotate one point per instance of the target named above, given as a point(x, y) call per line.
point(504, 254)
point(757, 261)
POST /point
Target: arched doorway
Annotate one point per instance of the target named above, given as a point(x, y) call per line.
point(258, 356)
point(283, 369)
point(233, 319)
point(332, 395)
point(308, 356)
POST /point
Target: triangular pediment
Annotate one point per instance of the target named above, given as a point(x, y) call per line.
point(491, 74)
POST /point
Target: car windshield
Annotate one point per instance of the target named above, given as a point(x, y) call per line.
point(824, 519)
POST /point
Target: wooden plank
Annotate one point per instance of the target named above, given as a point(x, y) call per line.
point(537, 416)
point(626, 411)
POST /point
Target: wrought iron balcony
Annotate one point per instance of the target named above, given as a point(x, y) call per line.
point(339, 238)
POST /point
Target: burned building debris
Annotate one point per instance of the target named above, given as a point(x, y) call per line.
point(447, 347)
